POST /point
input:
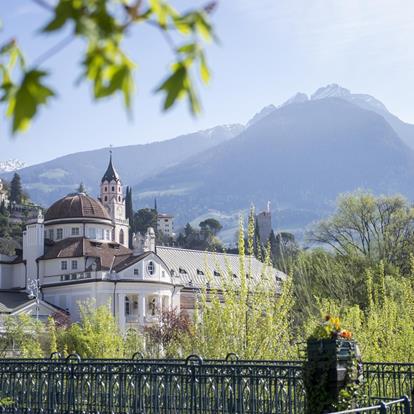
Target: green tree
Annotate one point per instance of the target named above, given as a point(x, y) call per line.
point(129, 213)
point(16, 191)
point(249, 318)
point(211, 226)
point(102, 26)
point(22, 337)
point(369, 227)
point(144, 218)
point(96, 335)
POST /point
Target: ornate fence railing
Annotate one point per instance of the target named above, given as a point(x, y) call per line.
point(191, 385)
point(145, 386)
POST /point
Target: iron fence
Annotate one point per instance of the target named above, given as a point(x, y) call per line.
point(192, 385)
point(142, 386)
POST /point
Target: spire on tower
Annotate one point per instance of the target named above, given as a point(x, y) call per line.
point(110, 174)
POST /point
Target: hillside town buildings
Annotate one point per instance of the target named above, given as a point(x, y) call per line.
point(79, 251)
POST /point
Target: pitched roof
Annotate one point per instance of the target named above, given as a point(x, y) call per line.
point(123, 262)
point(77, 205)
point(110, 173)
point(10, 300)
point(196, 268)
point(107, 253)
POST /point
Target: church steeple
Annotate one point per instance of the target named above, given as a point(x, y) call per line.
point(110, 173)
point(113, 200)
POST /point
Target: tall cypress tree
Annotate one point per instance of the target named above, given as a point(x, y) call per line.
point(16, 192)
point(129, 212)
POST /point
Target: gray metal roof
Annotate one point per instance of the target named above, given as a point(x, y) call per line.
point(197, 268)
point(10, 300)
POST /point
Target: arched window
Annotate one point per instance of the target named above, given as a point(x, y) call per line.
point(106, 189)
point(121, 237)
point(119, 198)
point(105, 198)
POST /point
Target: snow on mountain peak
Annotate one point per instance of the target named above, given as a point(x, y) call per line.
point(11, 165)
point(331, 91)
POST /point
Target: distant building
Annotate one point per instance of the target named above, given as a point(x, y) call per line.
point(3, 194)
point(165, 224)
point(264, 224)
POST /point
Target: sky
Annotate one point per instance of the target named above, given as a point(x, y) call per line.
point(268, 51)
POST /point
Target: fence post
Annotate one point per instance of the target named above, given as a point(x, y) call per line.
point(407, 409)
point(383, 408)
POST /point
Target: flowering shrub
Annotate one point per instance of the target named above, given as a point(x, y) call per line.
point(330, 328)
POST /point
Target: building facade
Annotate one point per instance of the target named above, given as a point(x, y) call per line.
point(78, 251)
point(165, 224)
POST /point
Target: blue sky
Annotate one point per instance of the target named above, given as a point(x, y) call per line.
point(269, 50)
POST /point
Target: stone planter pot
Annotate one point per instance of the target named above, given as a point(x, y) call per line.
point(327, 371)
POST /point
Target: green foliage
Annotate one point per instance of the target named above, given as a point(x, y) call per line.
point(250, 319)
point(144, 218)
point(102, 25)
point(23, 337)
point(16, 191)
point(369, 228)
point(96, 335)
point(203, 238)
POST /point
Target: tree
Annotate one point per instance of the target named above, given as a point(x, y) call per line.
point(369, 227)
point(144, 218)
point(284, 249)
point(96, 335)
point(129, 213)
point(22, 337)
point(16, 191)
point(250, 319)
point(102, 26)
point(211, 225)
point(167, 337)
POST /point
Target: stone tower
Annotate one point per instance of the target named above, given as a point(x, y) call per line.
point(112, 198)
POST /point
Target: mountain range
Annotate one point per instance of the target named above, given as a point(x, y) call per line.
point(299, 155)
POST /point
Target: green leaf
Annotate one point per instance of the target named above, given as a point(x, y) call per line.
point(174, 85)
point(63, 12)
point(31, 94)
point(204, 70)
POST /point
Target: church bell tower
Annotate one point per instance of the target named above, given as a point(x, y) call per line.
point(111, 196)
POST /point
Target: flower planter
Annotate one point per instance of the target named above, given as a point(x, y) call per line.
point(327, 371)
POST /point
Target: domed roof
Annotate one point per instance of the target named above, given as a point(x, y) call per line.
point(77, 205)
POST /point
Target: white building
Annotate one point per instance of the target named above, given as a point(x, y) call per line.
point(3, 194)
point(79, 251)
point(165, 224)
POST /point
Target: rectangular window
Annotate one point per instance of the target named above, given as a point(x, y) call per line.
point(75, 231)
point(59, 234)
point(67, 277)
point(74, 264)
point(64, 265)
point(136, 272)
point(92, 233)
point(51, 234)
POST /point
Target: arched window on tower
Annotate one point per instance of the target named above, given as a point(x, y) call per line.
point(121, 237)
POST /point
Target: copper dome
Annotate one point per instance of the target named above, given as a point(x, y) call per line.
point(78, 206)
